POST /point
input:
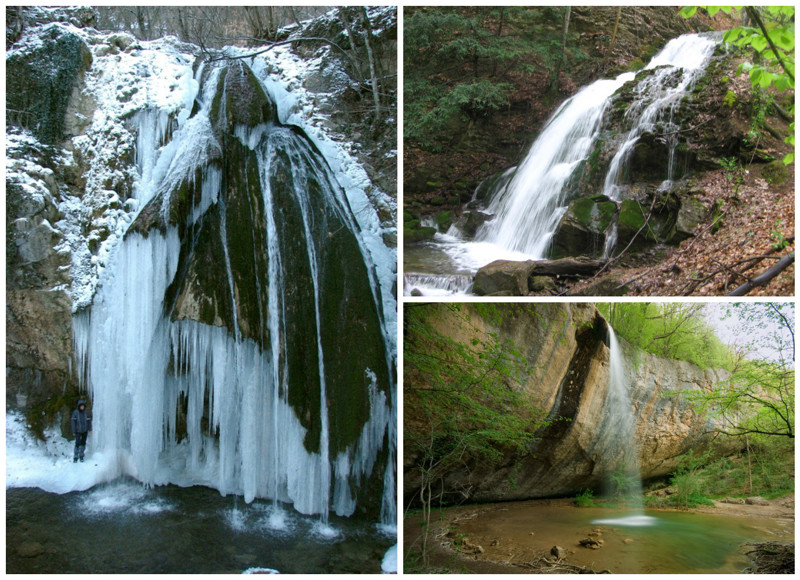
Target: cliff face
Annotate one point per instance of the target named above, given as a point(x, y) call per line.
point(567, 346)
point(81, 107)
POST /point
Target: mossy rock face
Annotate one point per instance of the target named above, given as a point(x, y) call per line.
point(775, 173)
point(582, 228)
point(631, 218)
point(327, 305)
point(690, 214)
point(39, 82)
point(239, 101)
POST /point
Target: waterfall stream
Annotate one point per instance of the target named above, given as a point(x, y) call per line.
point(619, 442)
point(622, 422)
point(527, 208)
point(224, 345)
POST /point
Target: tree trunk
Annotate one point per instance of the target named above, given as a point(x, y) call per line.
point(560, 62)
point(372, 69)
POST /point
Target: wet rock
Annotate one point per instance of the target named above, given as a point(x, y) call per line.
point(581, 230)
point(503, 276)
point(559, 552)
point(468, 547)
point(591, 543)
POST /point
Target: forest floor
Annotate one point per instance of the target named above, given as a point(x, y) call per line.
point(749, 227)
point(459, 543)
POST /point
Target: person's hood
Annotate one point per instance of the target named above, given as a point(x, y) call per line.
point(81, 402)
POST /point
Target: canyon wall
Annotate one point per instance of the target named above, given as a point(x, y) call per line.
point(567, 346)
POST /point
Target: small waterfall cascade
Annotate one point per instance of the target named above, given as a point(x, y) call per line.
point(621, 419)
point(619, 441)
point(676, 69)
point(238, 340)
point(528, 208)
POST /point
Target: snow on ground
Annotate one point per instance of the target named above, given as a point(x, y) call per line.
point(48, 464)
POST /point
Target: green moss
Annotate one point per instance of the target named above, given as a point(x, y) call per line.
point(444, 219)
point(729, 100)
point(631, 215)
point(414, 235)
point(775, 172)
point(594, 214)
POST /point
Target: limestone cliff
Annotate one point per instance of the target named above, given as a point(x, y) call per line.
point(566, 345)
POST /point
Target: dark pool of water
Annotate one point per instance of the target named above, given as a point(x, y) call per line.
point(124, 528)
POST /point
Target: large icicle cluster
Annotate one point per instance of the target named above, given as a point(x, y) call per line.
point(181, 399)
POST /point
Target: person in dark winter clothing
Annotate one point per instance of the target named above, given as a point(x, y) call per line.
point(81, 427)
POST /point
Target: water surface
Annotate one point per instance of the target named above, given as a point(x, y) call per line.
point(124, 527)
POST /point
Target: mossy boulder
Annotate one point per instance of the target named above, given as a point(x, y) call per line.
point(775, 172)
point(632, 216)
point(40, 81)
point(414, 233)
point(581, 230)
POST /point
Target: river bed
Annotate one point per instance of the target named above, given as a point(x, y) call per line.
point(123, 527)
point(664, 542)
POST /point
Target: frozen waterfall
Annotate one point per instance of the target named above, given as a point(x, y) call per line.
point(243, 389)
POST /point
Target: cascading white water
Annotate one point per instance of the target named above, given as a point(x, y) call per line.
point(528, 207)
point(656, 99)
point(619, 439)
point(240, 435)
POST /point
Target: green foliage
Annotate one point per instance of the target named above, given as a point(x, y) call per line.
point(624, 484)
point(730, 99)
point(465, 393)
point(770, 37)
point(585, 499)
point(670, 330)
point(463, 63)
point(780, 241)
point(765, 468)
point(758, 398)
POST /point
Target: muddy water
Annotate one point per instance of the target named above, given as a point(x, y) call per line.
point(124, 528)
point(668, 542)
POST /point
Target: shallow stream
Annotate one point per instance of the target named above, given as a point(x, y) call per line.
point(123, 527)
point(661, 542)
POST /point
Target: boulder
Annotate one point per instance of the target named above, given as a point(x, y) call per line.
point(30, 549)
point(756, 500)
point(690, 214)
point(632, 216)
point(559, 552)
point(470, 222)
point(582, 228)
point(503, 276)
